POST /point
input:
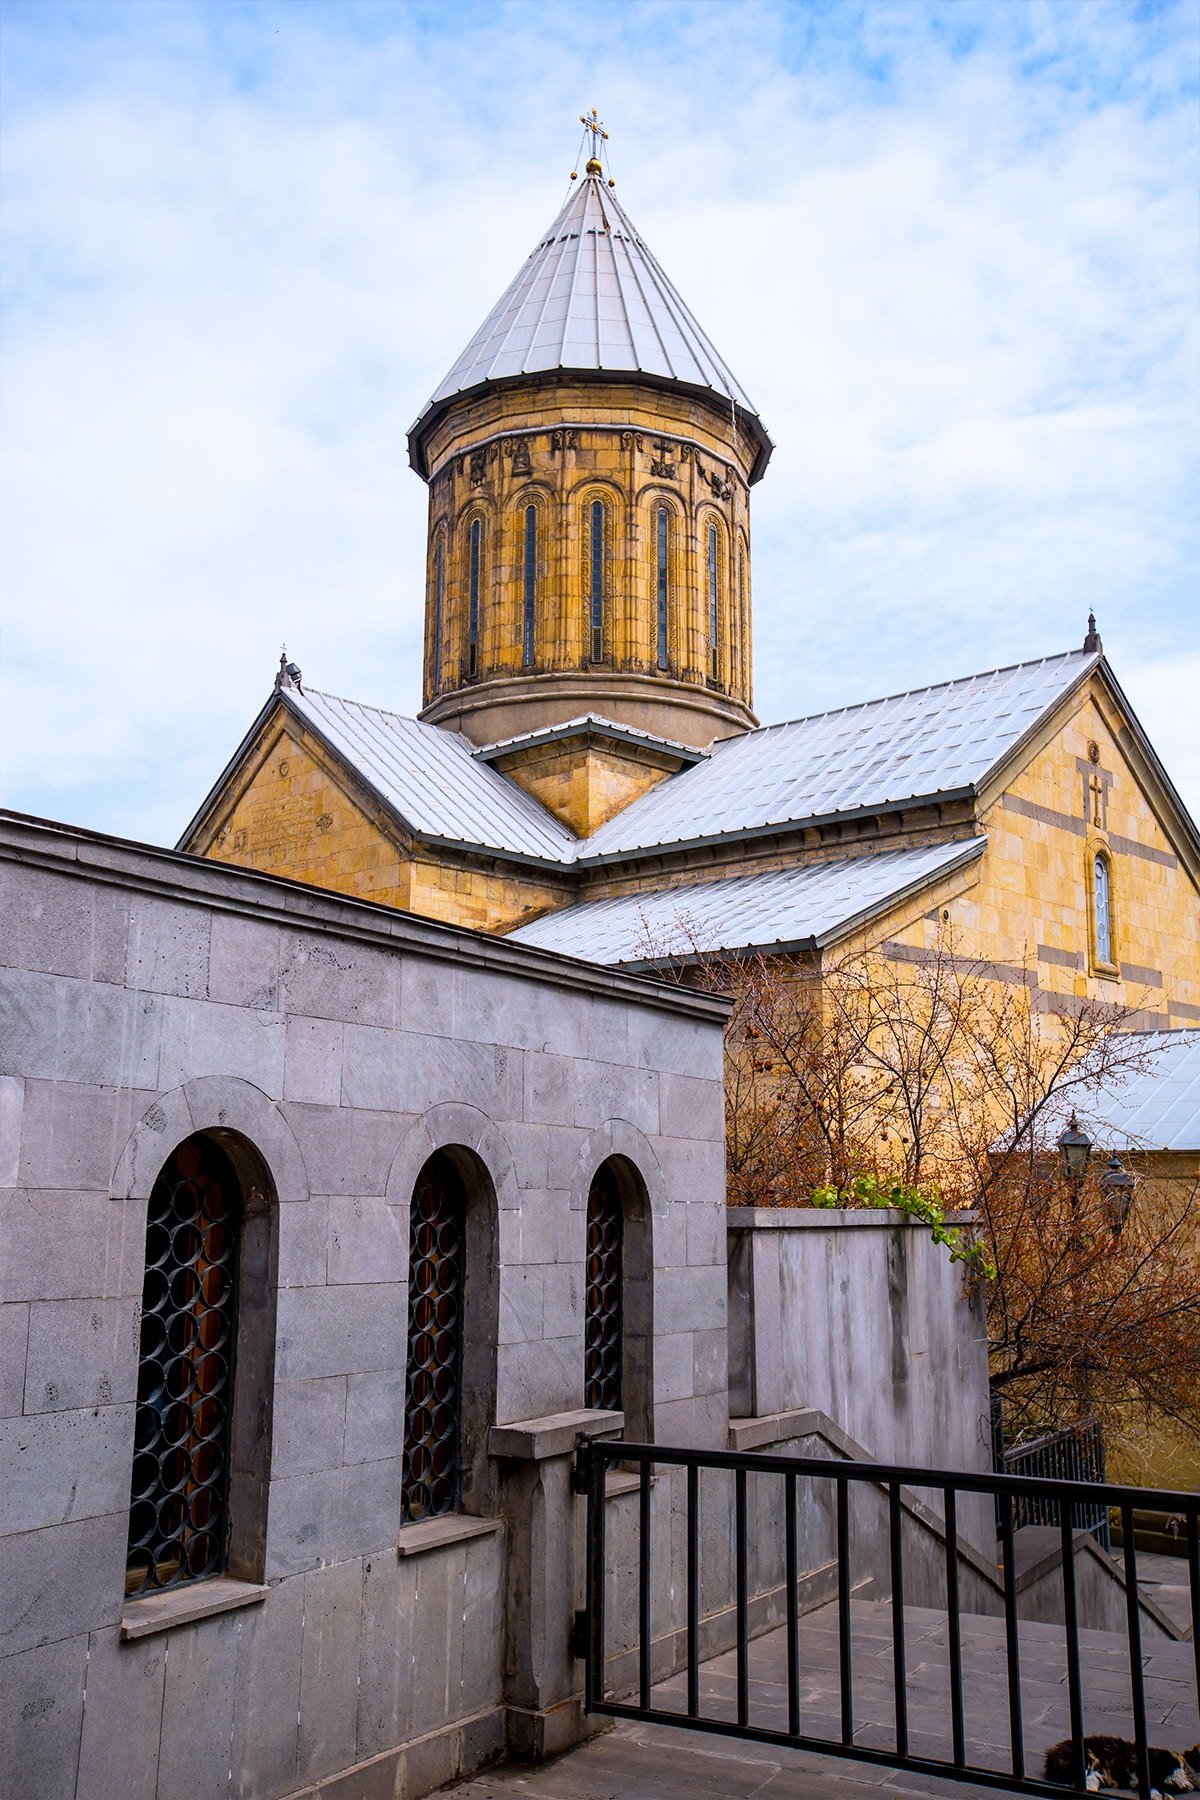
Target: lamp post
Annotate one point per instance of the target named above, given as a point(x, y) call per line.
point(1116, 1187)
point(1075, 1147)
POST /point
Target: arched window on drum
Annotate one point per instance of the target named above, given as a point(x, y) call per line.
point(603, 1321)
point(178, 1515)
point(431, 1476)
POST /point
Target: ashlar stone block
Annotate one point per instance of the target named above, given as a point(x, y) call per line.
point(82, 1353)
point(65, 1465)
point(329, 1669)
point(198, 1703)
point(41, 1706)
point(118, 1752)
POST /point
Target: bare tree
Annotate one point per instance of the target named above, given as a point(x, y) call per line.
point(935, 1080)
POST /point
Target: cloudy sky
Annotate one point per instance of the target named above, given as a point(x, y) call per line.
point(950, 250)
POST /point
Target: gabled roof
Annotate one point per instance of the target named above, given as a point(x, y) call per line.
point(591, 299)
point(936, 741)
point(1153, 1107)
point(593, 725)
point(798, 908)
point(431, 780)
point(909, 749)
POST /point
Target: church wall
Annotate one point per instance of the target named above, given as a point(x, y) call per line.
point(290, 810)
point(583, 784)
point(1033, 905)
point(332, 1047)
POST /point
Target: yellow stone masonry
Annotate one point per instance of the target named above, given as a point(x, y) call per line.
point(557, 446)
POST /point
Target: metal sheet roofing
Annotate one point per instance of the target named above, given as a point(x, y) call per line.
point(591, 297)
point(936, 740)
point(1156, 1107)
point(431, 779)
point(817, 902)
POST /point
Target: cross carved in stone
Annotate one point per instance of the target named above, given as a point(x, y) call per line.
point(1096, 790)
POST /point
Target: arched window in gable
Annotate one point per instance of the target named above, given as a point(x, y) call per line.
point(596, 556)
point(178, 1516)
point(662, 577)
point(475, 577)
point(431, 1475)
point(529, 587)
point(1102, 905)
point(603, 1334)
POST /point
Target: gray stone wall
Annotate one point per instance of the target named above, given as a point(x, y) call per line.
point(861, 1316)
point(332, 1047)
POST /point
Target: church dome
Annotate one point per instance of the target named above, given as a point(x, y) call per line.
point(589, 459)
point(591, 299)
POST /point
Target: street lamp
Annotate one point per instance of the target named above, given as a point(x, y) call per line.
point(1074, 1147)
point(1116, 1187)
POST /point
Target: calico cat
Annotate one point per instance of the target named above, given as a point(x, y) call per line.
point(1112, 1763)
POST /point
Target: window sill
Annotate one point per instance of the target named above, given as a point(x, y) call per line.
point(435, 1534)
point(1104, 971)
point(183, 1605)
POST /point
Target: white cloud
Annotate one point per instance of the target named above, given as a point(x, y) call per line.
point(951, 253)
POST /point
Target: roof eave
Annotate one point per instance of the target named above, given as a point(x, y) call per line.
point(774, 828)
point(436, 410)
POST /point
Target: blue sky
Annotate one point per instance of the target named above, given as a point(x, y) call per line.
point(950, 250)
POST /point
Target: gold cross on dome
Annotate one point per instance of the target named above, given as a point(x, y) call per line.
point(591, 121)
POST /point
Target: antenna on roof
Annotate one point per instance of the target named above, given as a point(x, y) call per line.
point(1092, 640)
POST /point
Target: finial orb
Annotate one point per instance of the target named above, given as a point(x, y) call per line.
point(574, 174)
point(593, 167)
point(611, 182)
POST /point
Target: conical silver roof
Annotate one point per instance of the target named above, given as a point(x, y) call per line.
point(591, 299)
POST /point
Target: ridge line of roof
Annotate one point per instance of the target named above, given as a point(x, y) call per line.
point(933, 687)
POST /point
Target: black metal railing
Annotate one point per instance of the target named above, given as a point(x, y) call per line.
point(1074, 1454)
point(848, 1478)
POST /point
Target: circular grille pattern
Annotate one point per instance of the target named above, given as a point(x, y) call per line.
point(602, 1315)
point(430, 1480)
point(181, 1428)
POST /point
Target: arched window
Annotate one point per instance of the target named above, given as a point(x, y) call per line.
point(662, 552)
point(473, 599)
point(178, 1516)
point(431, 1476)
point(1103, 907)
point(439, 590)
point(603, 1345)
point(713, 603)
point(595, 564)
point(530, 584)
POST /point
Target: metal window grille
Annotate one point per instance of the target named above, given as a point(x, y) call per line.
point(714, 648)
point(473, 615)
point(596, 579)
point(530, 582)
point(439, 588)
point(1103, 912)
point(663, 580)
point(177, 1513)
point(430, 1479)
point(602, 1327)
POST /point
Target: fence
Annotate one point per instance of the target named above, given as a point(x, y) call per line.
point(1075, 1454)
point(1011, 1492)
